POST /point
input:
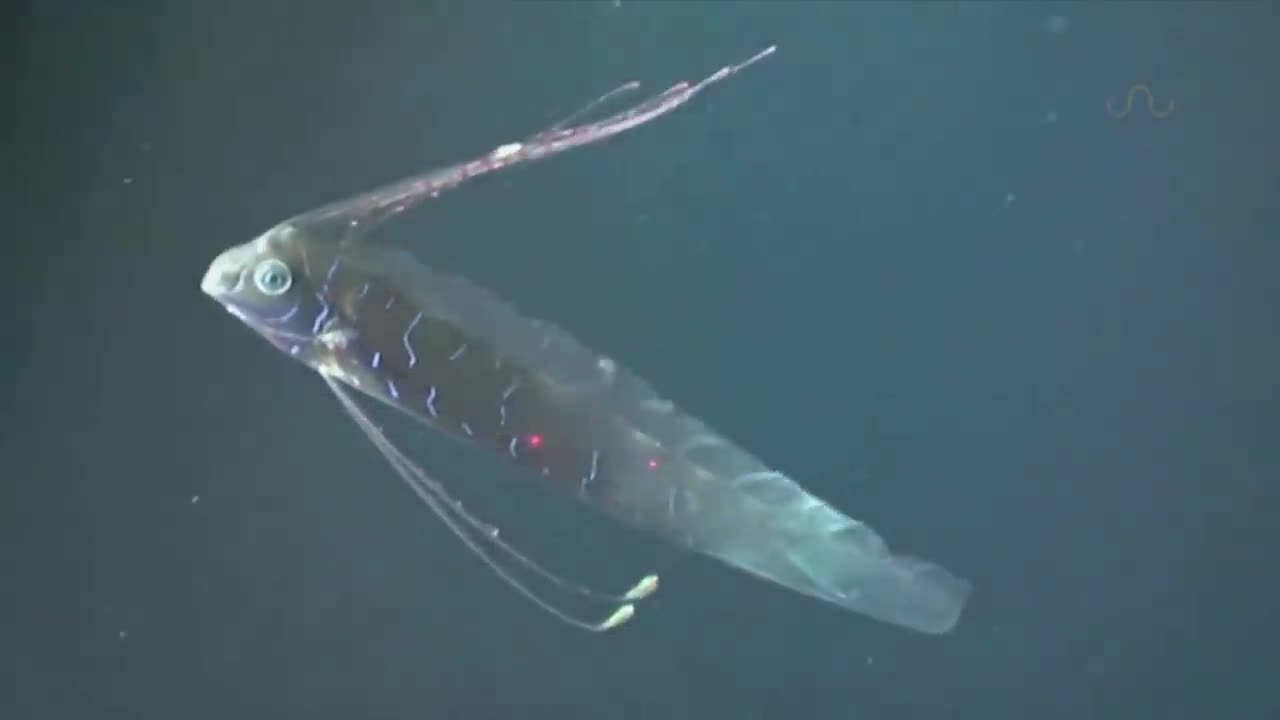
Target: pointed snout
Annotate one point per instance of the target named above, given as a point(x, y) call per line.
point(225, 274)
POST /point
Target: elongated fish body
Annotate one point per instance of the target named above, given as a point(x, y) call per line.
point(455, 357)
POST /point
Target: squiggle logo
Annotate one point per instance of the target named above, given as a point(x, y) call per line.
point(1151, 104)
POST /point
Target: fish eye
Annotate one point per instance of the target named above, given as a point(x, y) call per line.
point(272, 277)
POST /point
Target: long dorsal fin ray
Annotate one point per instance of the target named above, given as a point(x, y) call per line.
point(353, 218)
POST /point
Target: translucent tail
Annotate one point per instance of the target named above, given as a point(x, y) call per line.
point(717, 500)
point(766, 524)
point(853, 568)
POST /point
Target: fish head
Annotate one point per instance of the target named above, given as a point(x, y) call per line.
point(266, 283)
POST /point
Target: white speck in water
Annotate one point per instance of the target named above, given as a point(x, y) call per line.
point(1009, 198)
point(1057, 24)
point(195, 499)
point(128, 181)
point(123, 634)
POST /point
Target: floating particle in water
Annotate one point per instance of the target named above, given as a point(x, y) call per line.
point(1057, 24)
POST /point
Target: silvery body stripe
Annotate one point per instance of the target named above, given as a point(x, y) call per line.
point(328, 277)
point(413, 358)
point(591, 476)
point(431, 401)
point(324, 313)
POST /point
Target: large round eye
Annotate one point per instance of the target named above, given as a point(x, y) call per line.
point(272, 277)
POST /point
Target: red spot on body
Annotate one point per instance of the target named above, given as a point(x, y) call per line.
point(653, 463)
point(535, 441)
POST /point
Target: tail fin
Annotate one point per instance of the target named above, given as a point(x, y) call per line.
point(852, 568)
point(766, 524)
